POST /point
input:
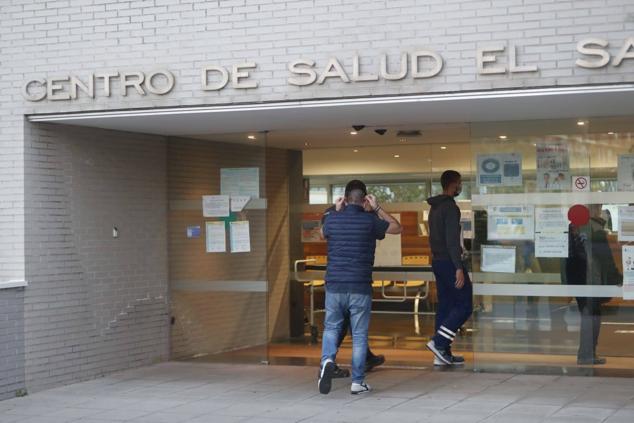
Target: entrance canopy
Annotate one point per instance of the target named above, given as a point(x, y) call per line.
point(483, 106)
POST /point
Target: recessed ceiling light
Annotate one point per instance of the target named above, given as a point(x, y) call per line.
point(502, 137)
point(610, 133)
point(396, 156)
point(580, 123)
point(251, 137)
point(443, 148)
point(355, 151)
point(353, 132)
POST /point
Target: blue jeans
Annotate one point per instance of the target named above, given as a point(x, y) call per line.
point(357, 307)
point(454, 305)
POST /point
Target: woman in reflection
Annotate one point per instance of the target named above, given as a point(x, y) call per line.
point(590, 262)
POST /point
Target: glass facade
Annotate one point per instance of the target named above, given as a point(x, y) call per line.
point(545, 221)
point(556, 301)
point(542, 205)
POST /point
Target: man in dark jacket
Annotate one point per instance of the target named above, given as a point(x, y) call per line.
point(590, 262)
point(453, 285)
point(371, 360)
point(351, 234)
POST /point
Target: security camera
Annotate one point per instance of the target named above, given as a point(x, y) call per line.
point(380, 131)
point(358, 127)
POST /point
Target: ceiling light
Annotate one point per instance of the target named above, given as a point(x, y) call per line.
point(580, 123)
point(306, 144)
point(402, 139)
point(443, 148)
point(502, 137)
point(380, 131)
point(610, 133)
point(355, 151)
point(353, 132)
point(251, 137)
point(358, 127)
point(396, 156)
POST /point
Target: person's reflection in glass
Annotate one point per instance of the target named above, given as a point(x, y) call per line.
point(590, 262)
point(530, 311)
point(607, 216)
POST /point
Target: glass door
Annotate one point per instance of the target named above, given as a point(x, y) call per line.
point(547, 258)
point(218, 248)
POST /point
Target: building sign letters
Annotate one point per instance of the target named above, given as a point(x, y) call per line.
point(419, 64)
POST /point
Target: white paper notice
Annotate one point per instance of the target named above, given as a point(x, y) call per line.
point(215, 205)
point(551, 232)
point(216, 237)
point(238, 202)
point(511, 222)
point(242, 181)
point(466, 222)
point(240, 237)
point(625, 173)
point(553, 167)
point(388, 250)
point(551, 245)
point(626, 223)
point(500, 259)
point(499, 169)
point(551, 219)
point(628, 272)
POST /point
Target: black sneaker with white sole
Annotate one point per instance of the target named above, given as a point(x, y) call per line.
point(454, 361)
point(338, 373)
point(325, 376)
point(441, 354)
point(373, 361)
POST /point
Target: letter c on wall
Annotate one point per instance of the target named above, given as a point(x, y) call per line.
point(34, 97)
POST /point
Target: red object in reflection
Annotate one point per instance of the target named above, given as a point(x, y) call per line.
point(579, 215)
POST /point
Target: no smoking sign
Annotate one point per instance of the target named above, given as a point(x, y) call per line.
point(581, 183)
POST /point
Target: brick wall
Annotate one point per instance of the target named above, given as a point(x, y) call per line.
point(94, 304)
point(11, 341)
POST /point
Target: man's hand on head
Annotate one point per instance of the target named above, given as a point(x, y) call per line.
point(340, 203)
point(371, 199)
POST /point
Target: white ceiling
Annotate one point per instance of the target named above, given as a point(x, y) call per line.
point(326, 123)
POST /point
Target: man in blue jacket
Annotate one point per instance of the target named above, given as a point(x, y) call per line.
point(371, 360)
point(453, 285)
point(351, 234)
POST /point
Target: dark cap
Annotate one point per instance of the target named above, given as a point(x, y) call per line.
point(354, 185)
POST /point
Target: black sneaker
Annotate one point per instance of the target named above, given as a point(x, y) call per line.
point(440, 353)
point(338, 373)
point(373, 361)
point(325, 376)
point(455, 359)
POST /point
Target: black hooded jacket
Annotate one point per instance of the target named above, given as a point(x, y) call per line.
point(444, 229)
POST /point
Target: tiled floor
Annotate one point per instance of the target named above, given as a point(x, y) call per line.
point(215, 393)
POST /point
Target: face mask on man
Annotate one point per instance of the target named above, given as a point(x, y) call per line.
point(458, 190)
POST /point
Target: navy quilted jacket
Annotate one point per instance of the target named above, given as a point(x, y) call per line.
point(351, 235)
